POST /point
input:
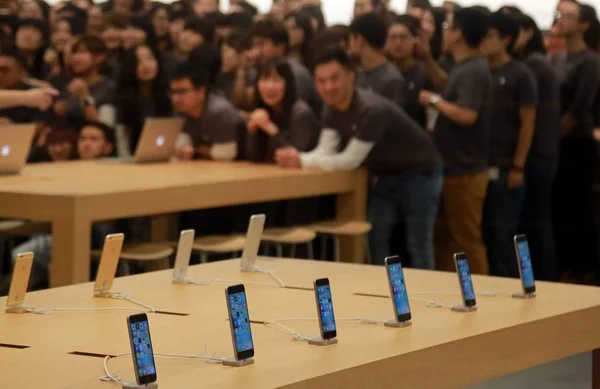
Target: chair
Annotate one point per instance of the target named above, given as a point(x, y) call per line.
point(218, 244)
point(290, 236)
point(155, 254)
point(10, 229)
point(335, 229)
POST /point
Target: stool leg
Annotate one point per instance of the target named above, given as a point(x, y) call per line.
point(203, 257)
point(166, 263)
point(323, 247)
point(336, 242)
point(309, 250)
point(279, 249)
point(368, 249)
point(293, 251)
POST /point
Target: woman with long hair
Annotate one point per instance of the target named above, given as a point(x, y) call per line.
point(142, 90)
point(31, 39)
point(300, 32)
point(542, 161)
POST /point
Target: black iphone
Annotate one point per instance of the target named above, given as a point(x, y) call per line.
point(464, 279)
point(524, 263)
point(398, 289)
point(239, 319)
point(325, 308)
point(141, 348)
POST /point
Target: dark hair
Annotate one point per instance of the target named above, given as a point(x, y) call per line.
point(591, 36)
point(473, 23)
point(315, 11)
point(11, 21)
point(439, 17)
point(198, 77)
point(249, 8)
point(129, 94)
point(239, 40)
point(201, 26)
point(239, 20)
point(283, 69)
point(9, 50)
point(207, 59)
point(337, 35)
point(511, 10)
point(92, 43)
point(107, 131)
point(587, 13)
point(424, 4)
point(115, 19)
point(536, 43)
point(371, 27)
point(483, 9)
point(76, 24)
point(273, 30)
point(334, 53)
point(217, 18)
point(144, 24)
point(413, 24)
point(302, 22)
point(507, 27)
point(39, 25)
point(181, 14)
point(37, 68)
point(71, 10)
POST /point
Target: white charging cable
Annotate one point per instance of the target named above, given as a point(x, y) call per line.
point(270, 273)
point(196, 281)
point(127, 297)
point(116, 296)
point(301, 337)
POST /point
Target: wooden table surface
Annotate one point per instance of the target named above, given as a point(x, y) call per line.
point(72, 195)
point(442, 349)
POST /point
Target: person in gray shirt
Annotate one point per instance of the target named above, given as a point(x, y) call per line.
point(512, 127)
point(365, 129)
point(462, 136)
point(368, 34)
point(211, 123)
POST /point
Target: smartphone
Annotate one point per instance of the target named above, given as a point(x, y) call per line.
point(325, 308)
point(398, 289)
point(464, 279)
point(184, 251)
point(524, 264)
point(253, 237)
point(111, 251)
point(19, 281)
point(141, 349)
point(239, 319)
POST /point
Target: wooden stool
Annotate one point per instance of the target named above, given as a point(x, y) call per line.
point(157, 254)
point(335, 229)
point(10, 229)
point(218, 244)
point(291, 236)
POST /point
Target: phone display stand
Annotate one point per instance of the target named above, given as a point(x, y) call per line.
point(323, 342)
point(133, 385)
point(17, 310)
point(180, 281)
point(397, 324)
point(103, 294)
point(462, 308)
point(235, 363)
point(525, 296)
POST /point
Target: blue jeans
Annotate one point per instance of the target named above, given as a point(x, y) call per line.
point(413, 200)
point(501, 214)
point(536, 220)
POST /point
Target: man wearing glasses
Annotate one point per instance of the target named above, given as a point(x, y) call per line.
point(462, 136)
point(573, 207)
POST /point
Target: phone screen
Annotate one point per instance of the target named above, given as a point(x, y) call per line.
point(142, 346)
point(464, 274)
point(326, 310)
point(525, 265)
point(399, 289)
point(240, 322)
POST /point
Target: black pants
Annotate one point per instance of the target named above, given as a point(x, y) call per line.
point(572, 203)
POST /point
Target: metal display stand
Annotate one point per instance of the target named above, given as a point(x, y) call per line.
point(397, 324)
point(462, 308)
point(236, 363)
point(133, 385)
point(322, 342)
point(525, 296)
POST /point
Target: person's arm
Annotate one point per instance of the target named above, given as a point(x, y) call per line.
point(107, 114)
point(588, 80)
point(223, 127)
point(35, 98)
point(351, 158)
point(527, 115)
point(466, 117)
point(435, 71)
point(328, 144)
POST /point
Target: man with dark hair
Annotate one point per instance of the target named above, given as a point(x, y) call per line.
point(573, 193)
point(462, 134)
point(196, 31)
point(403, 34)
point(368, 35)
point(234, 61)
point(211, 122)
point(514, 102)
point(364, 129)
point(13, 73)
point(270, 40)
point(96, 140)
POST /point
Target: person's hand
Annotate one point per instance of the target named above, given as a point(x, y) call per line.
point(515, 178)
point(40, 98)
point(288, 157)
point(43, 136)
point(248, 59)
point(185, 153)
point(260, 118)
point(79, 89)
point(422, 47)
point(425, 97)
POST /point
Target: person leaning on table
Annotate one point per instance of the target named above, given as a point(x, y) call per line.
point(365, 129)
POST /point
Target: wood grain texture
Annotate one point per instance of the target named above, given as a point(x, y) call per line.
point(442, 349)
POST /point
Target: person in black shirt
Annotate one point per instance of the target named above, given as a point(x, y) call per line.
point(514, 105)
point(573, 202)
point(368, 35)
point(462, 136)
point(400, 46)
point(542, 161)
point(365, 129)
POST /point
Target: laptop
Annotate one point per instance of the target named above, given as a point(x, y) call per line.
point(19, 283)
point(15, 144)
point(157, 142)
point(253, 237)
point(182, 258)
point(108, 264)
